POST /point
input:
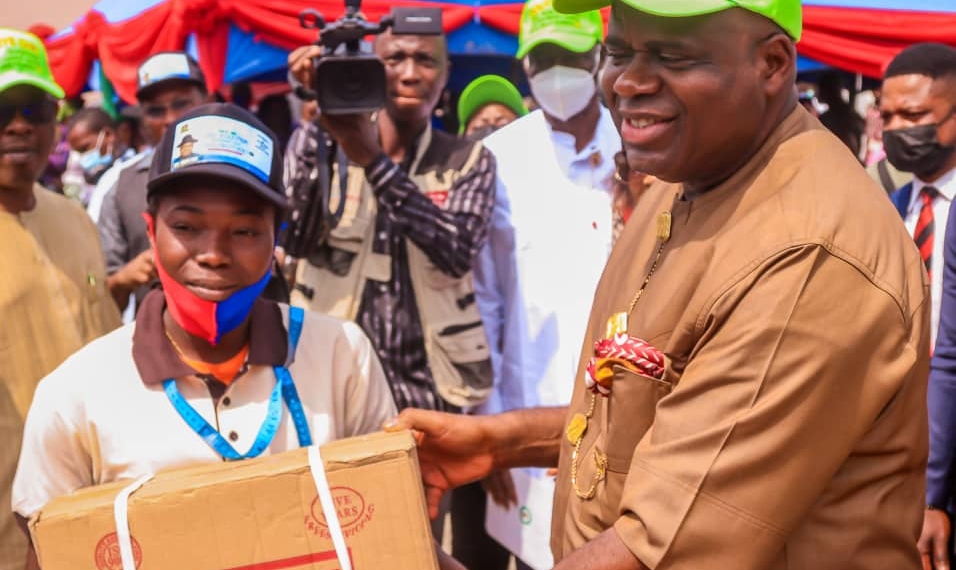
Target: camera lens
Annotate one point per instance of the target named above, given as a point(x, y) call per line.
point(353, 84)
point(350, 84)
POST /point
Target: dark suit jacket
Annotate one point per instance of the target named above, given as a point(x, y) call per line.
point(941, 396)
point(901, 198)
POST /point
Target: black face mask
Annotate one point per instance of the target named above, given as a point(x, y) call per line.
point(917, 149)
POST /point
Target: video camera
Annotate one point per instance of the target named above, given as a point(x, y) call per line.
point(349, 80)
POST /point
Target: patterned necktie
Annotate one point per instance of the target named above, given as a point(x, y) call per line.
point(926, 227)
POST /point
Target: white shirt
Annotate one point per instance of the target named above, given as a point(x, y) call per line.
point(946, 185)
point(549, 241)
point(592, 167)
point(93, 420)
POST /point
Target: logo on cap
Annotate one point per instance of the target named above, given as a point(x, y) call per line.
point(23, 59)
point(20, 42)
point(164, 66)
point(222, 140)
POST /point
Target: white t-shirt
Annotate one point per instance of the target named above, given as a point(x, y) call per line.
point(94, 420)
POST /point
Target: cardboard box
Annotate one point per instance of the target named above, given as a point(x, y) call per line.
point(259, 514)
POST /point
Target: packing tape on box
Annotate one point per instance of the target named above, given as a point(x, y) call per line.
point(316, 466)
point(120, 516)
point(328, 508)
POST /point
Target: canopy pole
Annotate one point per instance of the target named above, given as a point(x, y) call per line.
point(857, 88)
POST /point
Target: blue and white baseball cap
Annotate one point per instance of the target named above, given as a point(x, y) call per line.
point(220, 140)
point(165, 67)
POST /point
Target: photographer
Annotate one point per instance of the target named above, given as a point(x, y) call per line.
point(417, 208)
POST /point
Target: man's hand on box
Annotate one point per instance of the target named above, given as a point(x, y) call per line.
point(452, 449)
point(356, 134)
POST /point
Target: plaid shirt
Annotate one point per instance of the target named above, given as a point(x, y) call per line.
point(450, 235)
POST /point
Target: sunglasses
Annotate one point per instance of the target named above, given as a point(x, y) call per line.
point(159, 111)
point(36, 113)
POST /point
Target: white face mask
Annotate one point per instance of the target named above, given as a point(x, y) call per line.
point(563, 92)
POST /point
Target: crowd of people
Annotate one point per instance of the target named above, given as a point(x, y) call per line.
point(710, 309)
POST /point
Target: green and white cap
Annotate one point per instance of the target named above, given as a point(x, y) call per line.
point(23, 61)
point(787, 14)
point(484, 90)
point(541, 23)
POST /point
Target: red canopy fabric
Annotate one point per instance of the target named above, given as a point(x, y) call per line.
point(121, 47)
point(864, 41)
point(857, 40)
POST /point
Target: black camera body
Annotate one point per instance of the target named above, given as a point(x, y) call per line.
point(348, 79)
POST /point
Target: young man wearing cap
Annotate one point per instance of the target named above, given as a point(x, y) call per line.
point(53, 296)
point(205, 350)
point(169, 84)
point(487, 104)
point(752, 392)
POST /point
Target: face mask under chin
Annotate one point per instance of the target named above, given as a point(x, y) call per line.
point(94, 163)
point(209, 320)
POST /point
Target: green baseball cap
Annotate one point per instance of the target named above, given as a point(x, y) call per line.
point(23, 61)
point(541, 23)
point(484, 90)
point(785, 13)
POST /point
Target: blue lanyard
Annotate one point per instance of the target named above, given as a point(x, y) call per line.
point(284, 390)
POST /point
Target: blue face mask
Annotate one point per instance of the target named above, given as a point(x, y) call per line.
point(94, 162)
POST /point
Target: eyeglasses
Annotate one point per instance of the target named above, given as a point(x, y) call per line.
point(159, 111)
point(36, 112)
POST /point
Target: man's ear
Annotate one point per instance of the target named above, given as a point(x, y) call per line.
point(150, 229)
point(777, 63)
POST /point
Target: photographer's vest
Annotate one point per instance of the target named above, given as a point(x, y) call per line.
point(338, 271)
